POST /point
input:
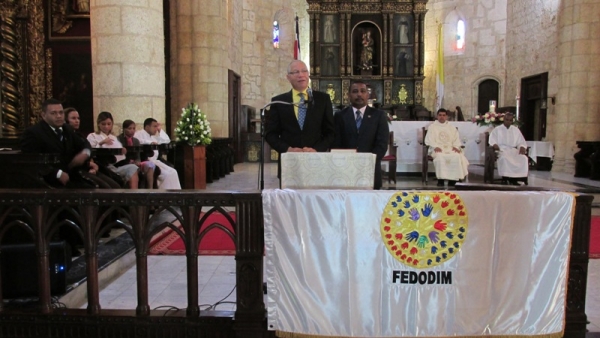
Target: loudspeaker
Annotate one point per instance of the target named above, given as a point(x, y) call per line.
point(19, 270)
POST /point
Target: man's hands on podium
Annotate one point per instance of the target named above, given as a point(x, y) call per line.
point(301, 150)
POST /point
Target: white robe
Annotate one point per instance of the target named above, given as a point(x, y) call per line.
point(168, 178)
point(510, 162)
point(448, 164)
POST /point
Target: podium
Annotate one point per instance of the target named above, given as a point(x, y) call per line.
point(335, 170)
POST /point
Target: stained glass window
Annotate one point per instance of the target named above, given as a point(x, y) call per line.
point(460, 35)
point(275, 34)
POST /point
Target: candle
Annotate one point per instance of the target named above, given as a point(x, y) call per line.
point(492, 106)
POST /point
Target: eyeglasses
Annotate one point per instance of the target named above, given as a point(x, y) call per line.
point(296, 72)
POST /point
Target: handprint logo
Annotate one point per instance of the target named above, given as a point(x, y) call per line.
point(422, 229)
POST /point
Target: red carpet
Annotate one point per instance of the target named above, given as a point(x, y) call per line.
point(595, 238)
point(215, 242)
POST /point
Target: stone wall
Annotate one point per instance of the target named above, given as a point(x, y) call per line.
point(532, 48)
point(483, 56)
point(264, 68)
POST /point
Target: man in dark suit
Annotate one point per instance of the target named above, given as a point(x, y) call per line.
point(305, 126)
point(362, 128)
point(53, 135)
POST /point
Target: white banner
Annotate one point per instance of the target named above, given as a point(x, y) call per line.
point(417, 263)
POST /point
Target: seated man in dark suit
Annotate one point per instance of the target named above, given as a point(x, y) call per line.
point(53, 135)
point(362, 128)
point(306, 124)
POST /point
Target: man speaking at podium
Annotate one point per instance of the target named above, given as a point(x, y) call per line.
point(303, 125)
point(362, 128)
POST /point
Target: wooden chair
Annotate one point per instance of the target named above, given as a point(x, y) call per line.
point(391, 158)
point(425, 159)
point(490, 158)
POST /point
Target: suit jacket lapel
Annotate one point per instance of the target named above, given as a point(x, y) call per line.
point(52, 135)
point(289, 109)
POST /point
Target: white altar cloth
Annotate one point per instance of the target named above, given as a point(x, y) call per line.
point(335, 170)
point(540, 149)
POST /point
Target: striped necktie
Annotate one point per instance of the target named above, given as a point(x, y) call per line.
point(358, 119)
point(301, 111)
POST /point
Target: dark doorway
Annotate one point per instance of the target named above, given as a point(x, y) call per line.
point(235, 109)
point(488, 90)
point(534, 90)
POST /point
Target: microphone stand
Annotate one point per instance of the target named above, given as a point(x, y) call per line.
point(261, 170)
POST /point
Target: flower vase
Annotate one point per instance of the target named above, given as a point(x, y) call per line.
point(194, 167)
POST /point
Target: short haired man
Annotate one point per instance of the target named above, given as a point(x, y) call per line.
point(305, 126)
point(513, 163)
point(445, 147)
point(362, 128)
point(52, 135)
point(168, 178)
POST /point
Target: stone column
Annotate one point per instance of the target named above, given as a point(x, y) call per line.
point(577, 113)
point(128, 59)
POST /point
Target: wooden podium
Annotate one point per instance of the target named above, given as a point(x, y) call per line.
point(335, 170)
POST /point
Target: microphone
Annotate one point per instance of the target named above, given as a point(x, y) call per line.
point(268, 105)
point(310, 95)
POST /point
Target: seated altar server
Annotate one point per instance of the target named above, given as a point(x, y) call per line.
point(168, 178)
point(445, 148)
point(513, 163)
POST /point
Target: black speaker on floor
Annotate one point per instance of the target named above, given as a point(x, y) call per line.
point(19, 270)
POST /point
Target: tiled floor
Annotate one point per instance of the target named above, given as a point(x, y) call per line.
point(217, 273)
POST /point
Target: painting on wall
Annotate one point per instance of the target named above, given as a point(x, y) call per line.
point(72, 84)
point(330, 61)
point(403, 61)
point(403, 32)
point(68, 19)
point(330, 29)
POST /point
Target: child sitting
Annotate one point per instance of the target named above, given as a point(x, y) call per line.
point(103, 138)
point(147, 167)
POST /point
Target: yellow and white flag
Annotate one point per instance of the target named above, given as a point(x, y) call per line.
point(439, 78)
point(417, 263)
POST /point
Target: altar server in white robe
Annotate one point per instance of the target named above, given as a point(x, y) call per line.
point(445, 149)
point(513, 163)
point(168, 178)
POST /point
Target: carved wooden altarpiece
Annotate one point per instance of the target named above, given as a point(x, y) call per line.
point(378, 41)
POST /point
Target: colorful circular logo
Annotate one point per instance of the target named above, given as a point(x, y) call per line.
point(424, 229)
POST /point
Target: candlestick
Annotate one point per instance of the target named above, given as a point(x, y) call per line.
point(517, 98)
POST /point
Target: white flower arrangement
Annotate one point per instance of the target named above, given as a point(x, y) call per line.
point(193, 127)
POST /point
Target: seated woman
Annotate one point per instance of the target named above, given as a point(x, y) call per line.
point(93, 170)
point(147, 167)
point(103, 138)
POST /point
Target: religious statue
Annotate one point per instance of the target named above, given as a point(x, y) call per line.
point(328, 30)
point(402, 32)
point(331, 91)
point(366, 55)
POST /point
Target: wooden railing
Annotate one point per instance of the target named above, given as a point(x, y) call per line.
point(89, 213)
point(41, 213)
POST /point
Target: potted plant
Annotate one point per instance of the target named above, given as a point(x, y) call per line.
point(193, 130)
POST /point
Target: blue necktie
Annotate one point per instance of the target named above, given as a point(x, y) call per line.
point(301, 111)
point(358, 119)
